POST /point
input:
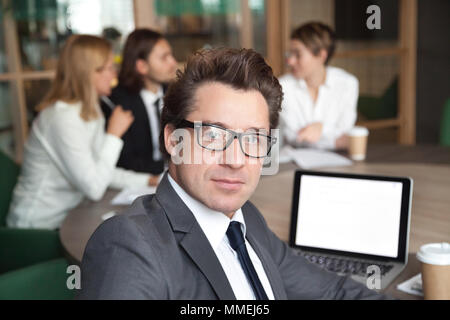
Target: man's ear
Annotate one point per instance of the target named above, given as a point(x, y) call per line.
point(169, 141)
point(141, 66)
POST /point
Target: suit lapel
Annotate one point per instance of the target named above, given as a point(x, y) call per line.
point(197, 247)
point(194, 241)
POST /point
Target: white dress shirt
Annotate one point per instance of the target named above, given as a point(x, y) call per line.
point(149, 99)
point(65, 160)
point(215, 224)
point(335, 107)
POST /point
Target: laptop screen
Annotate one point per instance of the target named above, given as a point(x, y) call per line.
point(357, 215)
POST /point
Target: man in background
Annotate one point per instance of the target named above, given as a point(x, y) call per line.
point(147, 66)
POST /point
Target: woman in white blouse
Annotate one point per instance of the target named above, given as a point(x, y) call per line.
point(319, 104)
point(68, 155)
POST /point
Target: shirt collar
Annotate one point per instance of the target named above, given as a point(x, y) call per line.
point(213, 223)
point(301, 83)
point(150, 96)
point(328, 80)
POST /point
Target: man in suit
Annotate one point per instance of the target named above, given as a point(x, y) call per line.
point(199, 237)
point(148, 64)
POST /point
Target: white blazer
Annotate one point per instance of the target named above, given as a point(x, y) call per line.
point(65, 160)
point(335, 107)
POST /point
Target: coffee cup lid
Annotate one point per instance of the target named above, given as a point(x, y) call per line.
point(435, 253)
point(358, 131)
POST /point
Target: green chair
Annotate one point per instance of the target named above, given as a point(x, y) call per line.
point(42, 281)
point(384, 107)
point(445, 125)
point(21, 247)
point(9, 171)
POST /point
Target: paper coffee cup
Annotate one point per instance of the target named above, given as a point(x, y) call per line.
point(435, 258)
point(358, 143)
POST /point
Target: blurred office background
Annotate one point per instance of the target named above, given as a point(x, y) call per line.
point(403, 69)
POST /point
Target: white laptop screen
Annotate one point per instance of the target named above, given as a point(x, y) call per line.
point(347, 214)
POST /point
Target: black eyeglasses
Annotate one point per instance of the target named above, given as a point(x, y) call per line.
point(217, 138)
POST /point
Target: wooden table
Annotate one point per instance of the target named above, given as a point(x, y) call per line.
point(430, 221)
point(392, 153)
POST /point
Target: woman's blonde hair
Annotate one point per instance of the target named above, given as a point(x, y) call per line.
point(81, 56)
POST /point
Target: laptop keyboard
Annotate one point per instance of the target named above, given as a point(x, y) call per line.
point(345, 266)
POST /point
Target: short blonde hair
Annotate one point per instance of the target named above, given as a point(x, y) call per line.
point(316, 36)
point(81, 56)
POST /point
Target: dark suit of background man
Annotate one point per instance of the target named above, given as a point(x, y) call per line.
point(199, 237)
point(147, 65)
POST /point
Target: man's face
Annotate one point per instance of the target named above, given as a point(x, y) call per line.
point(160, 66)
point(224, 180)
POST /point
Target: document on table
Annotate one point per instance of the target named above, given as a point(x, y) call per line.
point(412, 286)
point(127, 196)
point(314, 158)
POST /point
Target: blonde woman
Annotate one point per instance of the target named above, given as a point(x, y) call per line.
point(68, 155)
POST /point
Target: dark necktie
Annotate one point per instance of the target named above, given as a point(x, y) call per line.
point(237, 242)
point(156, 104)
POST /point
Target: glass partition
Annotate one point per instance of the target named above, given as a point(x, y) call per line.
point(43, 25)
point(190, 25)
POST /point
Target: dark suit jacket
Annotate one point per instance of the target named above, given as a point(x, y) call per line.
point(137, 151)
point(157, 250)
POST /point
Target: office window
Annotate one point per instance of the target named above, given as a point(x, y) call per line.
point(43, 26)
point(190, 25)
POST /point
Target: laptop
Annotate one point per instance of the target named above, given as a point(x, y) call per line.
point(352, 224)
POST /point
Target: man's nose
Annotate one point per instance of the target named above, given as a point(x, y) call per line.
point(234, 157)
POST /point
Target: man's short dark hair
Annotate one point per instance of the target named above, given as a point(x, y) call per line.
point(242, 69)
point(139, 45)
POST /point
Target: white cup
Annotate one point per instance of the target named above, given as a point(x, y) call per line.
point(435, 258)
point(358, 143)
